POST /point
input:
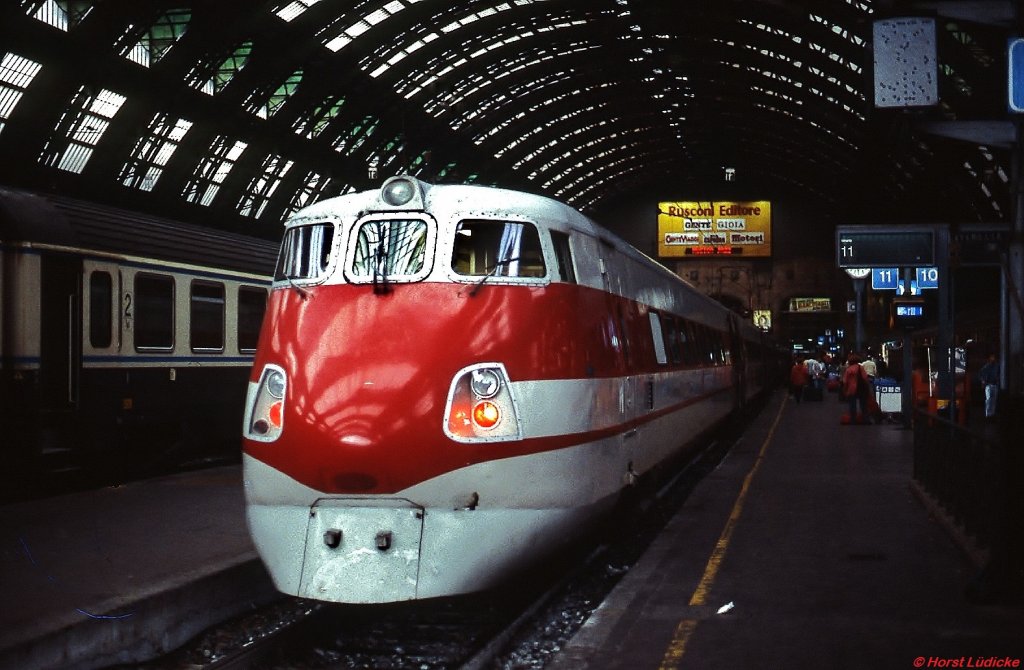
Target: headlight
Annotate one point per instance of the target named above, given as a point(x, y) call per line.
point(484, 382)
point(405, 192)
point(264, 407)
point(481, 406)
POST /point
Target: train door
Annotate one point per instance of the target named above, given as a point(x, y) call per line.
point(613, 273)
point(59, 333)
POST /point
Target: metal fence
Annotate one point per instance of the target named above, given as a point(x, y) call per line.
point(977, 477)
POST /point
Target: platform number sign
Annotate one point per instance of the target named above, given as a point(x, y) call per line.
point(1015, 70)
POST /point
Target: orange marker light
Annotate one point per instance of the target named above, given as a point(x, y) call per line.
point(486, 414)
point(274, 414)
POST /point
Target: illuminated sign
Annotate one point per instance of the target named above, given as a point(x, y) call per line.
point(908, 313)
point(763, 319)
point(687, 229)
point(810, 305)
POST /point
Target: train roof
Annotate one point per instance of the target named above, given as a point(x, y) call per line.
point(56, 220)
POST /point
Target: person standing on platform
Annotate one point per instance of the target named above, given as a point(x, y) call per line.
point(989, 376)
point(798, 379)
point(870, 367)
point(855, 388)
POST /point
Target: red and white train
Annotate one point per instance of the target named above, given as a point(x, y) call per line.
point(453, 381)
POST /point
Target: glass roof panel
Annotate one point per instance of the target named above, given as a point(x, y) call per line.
point(295, 9)
point(16, 73)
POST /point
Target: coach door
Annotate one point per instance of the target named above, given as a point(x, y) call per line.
point(101, 323)
point(59, 336)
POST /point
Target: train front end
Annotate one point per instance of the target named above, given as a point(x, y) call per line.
point(385, 451)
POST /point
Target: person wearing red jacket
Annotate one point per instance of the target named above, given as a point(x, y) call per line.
point(856, 388)
point(798, 379)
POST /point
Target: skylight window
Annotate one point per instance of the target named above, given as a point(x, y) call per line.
point(261, 188)
point(16, 73)
point(81, 128)
point(309, 191)
point(61, 15)
point(152, 151)
point(213, 170)
point(315, 120)
point(295, 9)
point(275, 100)
point(377, 16)
point(157, 40)
point(212, 79)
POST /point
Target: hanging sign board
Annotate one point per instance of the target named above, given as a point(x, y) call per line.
point(704, 228)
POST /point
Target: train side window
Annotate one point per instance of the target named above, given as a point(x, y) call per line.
point(658, 338)
point(497, 249)
point(563, 254)
point(691, 348)
point(206, 316)
point(154, 312)
point(101, 313)
point(252, 304)
point(672, 340)
point(306, 252)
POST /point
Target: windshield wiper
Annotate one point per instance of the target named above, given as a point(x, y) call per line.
point(490, 273)
point(303, 293)
point(380, 269)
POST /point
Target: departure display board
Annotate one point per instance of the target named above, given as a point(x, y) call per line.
point(884, 246)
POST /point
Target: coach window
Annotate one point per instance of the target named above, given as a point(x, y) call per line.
point(672, 340)
point(498, 249)
point(206, 317)
point(101, 314)
point(563, 254)
point(305, 252)
point(252, 304)
point(692, 353)
point(154, 312)
point(658, 338)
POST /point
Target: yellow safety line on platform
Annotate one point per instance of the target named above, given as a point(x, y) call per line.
point(677, 647)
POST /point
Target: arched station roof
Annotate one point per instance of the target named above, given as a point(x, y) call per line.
point(234, 113)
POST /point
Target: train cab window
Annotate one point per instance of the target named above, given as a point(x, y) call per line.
point(252, 304)
point(154, 312)
point(391, 249)
point(658, 338)
point(206, 317)
point(101, 313)
point(497, 249)
point(306, 252)
point(563, 254)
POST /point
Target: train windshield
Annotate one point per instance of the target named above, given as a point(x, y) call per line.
point(306, 252)
point(498, 249)
point(390, 249)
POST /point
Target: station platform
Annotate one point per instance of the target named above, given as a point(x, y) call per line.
point(121, 574)
point(808, 547)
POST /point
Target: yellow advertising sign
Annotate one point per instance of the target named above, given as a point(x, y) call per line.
point(705, 228)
